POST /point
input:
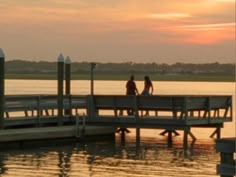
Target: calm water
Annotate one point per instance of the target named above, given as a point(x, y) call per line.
point(107, 158)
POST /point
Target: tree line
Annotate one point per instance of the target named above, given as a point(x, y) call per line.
point(43, 67)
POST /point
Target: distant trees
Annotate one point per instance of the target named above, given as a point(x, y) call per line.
point(21, 66)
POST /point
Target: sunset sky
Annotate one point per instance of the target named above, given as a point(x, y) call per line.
point(161, 31)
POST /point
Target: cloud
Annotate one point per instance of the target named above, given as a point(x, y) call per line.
point(168, 15)
point(231, 1)
point(202, 33)
point(208, 27)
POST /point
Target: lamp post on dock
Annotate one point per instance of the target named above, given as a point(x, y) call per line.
point(60, 78)
point(2, 88)
point(92, 67)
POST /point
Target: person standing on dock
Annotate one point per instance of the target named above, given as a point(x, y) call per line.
point(148, 89)
point(131, 89)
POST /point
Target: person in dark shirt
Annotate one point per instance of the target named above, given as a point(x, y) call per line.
point(131, 89)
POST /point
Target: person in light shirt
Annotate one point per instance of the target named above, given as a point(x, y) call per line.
point(148, 89)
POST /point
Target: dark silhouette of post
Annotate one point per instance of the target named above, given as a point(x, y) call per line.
point(60, 79)
point(92, 67)
point(2, 88)
point(68, 83)
point(68, 74)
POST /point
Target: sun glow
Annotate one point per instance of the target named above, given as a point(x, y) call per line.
point(204, 33)
point(107, 26)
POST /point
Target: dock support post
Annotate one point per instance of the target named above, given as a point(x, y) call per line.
point(68, 83)
point(60, 79)
point(218, 134)
point(137, 136)
point(169, 139)
point(123, 138)
point(185, 140)
point(77, 128)
point(2, 88)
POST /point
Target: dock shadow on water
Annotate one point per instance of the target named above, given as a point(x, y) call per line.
point(119, 156)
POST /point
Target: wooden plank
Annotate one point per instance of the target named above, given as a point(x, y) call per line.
point(51, 132)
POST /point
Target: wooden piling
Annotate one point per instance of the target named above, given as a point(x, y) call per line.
point(68, 82)
point(92, 111)
point(2, 88)
point(185, 140)
point(170, 139)
point(60, 78)
point(68, 75)
point(137, 135)
point(226, 147)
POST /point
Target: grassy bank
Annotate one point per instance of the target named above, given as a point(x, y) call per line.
point(154, 77)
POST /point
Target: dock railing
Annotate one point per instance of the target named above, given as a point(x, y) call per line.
point(41, 106)
point(174, 107)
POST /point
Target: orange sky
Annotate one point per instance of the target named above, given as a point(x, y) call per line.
point(118, 31)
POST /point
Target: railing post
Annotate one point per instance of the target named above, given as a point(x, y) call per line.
point(2, 88)
point(185, 109)
point(209, 108)
point(136, 107)
point(60, 78)
point(91, 109)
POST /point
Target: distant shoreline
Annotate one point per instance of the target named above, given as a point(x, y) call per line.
point(154, 77)
point(20, 69)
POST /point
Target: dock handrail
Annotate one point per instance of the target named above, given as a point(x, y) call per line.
point(181, 107)
point(39, 103)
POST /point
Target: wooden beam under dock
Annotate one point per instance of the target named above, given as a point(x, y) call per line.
point(69, 131)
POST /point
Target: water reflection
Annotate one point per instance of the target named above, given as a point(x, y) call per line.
point(114, 157)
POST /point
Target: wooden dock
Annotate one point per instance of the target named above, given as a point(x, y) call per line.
point(227, 149)
point(55, 132)
point(168, 112)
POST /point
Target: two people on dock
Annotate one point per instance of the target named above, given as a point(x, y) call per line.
point(131, 89)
